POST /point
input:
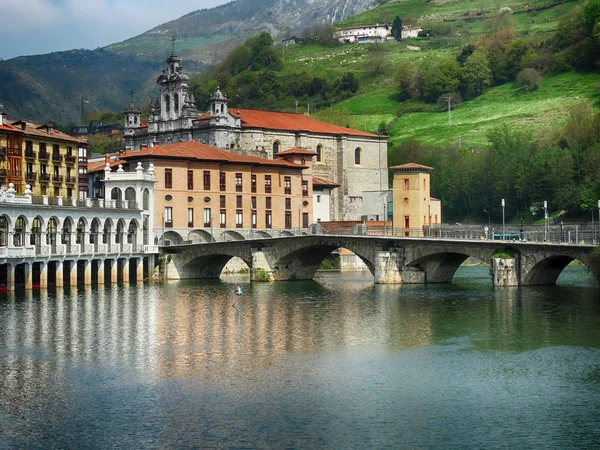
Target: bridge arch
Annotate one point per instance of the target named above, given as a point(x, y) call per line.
point(302, 263)
point(171, 238)
point(547, 270)
point(200, 236)
point(261, 234)
point(231, 235)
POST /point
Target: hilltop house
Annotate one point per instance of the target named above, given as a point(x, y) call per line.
point(366, 34)
point(355, 160)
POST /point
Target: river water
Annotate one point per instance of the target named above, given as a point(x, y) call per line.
point(337, 363)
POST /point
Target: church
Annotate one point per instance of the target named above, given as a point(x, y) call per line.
point(353, 159)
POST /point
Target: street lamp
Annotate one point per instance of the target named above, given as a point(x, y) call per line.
point(298, 220)
point(545, 221)
point(384, 217)
point(251, 230)
point(429, 217)
point(489, 228)
point(503, 222)
point(163, 233)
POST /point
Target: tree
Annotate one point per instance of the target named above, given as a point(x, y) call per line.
point(528, 79)
point(477, 75)
point(397, 28)
point(440, 77)
point(408, 80)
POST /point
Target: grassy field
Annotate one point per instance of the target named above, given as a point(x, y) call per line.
point(471, 121)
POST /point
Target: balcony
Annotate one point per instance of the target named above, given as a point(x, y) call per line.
point(43, 155)
point(30, 176)
point(2, 174)
point(44, 177)
point(29, 153)
point(57, 179)
point(2, 152)
point(69, 159)
point(83, 180)
point(70, 180)
point(57, 157)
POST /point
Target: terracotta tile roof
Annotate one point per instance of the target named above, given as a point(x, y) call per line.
point(411, 166)
point(192, 150)
point(297, 151)
point(33, 129)
point(252, 118)
point(9, 128)
point(100, 165)
point(320, 182)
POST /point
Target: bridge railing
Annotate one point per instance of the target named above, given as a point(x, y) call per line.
point(575, 234)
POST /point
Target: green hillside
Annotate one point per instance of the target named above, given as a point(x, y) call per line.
point(522, 81)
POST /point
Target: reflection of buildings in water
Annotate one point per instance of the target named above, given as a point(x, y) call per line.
point(207, 337)
point(49, 332)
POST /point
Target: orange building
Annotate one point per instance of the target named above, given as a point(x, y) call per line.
point(199, 186)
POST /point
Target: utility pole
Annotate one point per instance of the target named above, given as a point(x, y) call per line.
point(449, 98)
point(296, 106)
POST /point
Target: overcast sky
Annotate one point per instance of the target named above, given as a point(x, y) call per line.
point(31, 27)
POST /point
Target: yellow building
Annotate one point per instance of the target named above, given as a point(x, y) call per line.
point(10, 155)
point(416, 213)
point(54, 163)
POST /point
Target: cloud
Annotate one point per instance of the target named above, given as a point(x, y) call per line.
point(29, 14)
point(43, 26)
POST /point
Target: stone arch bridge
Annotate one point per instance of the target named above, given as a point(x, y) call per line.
point(390, 259)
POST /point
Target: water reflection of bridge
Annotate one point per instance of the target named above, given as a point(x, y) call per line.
point(390, 259)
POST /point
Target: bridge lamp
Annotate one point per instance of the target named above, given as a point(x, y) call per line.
point(545, 220)
point(489, 230)
point(503, 222)
point(429, 217)
point(385, 217)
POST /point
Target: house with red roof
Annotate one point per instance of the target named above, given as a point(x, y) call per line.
point(354, 160)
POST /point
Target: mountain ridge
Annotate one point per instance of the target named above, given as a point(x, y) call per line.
point(50, 86)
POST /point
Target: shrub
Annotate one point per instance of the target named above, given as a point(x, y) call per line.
point(528, 79)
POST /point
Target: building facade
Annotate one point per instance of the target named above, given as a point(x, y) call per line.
point(363, 33)
point(355, 160)
point(11, 155)
point(201, 190)
point(415, 212)
point(51, 162)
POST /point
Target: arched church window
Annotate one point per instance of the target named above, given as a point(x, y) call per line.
point(319, 153)
point(167, 103)
point(176, 102)
point(357, 156)
point(276, 147)
point(135, 120)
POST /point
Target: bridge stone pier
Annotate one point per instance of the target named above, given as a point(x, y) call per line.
point(391, 260)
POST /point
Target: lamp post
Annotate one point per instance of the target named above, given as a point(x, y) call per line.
point(384, 217)
point(163, 234)
point(489, 228)
point(429, 217)
point(503, 222)
point(251, 234)
point(545, 221)
point(298, 220)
